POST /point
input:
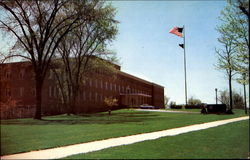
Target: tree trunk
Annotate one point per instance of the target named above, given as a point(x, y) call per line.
point(230, 92)
point(39, 83)
point(73, 103)
point(71, 107)
point(245, 101)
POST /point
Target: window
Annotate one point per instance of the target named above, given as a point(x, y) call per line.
point(101, 84)
point(7, 75)
point(111, 86)
point(128, 90)
point(21, 74)
point(96, 97)
point(84, 95)
point(55, 89)
point(90, 96)
point(119, 89)
point(8, 92)
point(90, 82)
point(33, 91)
point(106, 85)
point(50, 74)
point(50, 91)
point(96, 84)
point(115, 87)
point(21, 91)
point(78, 96)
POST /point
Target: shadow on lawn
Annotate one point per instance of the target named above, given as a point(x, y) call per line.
point(97, 118)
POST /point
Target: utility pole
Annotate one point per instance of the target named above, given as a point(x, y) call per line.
point(216, 95)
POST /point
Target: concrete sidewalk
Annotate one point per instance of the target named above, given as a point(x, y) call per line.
point(61, 152)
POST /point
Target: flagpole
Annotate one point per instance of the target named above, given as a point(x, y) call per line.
point(185, 72)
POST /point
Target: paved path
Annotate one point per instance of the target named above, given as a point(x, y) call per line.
point(158, 110)
point(65, 151)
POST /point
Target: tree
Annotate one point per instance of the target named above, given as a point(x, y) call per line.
point(79, 50)
point(39, 27)
point(110, 102)
point(226, 62)
point(243, 81)
point(172, 104)
point(71, 83)
point(236, 17)
point(166, 100)
point(242, 5)
point(226, 56)
point(223, 97)
point(35, 26)
point(193, 101)
point(238, 100)
point(6, 107)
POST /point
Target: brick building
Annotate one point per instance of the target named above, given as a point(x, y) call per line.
point(17, 84)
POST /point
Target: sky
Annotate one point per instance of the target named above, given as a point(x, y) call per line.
point(147, 50)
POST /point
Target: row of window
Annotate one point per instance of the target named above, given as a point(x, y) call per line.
point(8, 74)
point(20, 92)
point(54, 91)
point(85, 96)
point(113, 87)
point(106, 85)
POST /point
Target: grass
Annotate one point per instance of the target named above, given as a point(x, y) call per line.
point(22, 135)
point(230, 141)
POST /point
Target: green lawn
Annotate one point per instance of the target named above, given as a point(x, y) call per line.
point(23, 135)
point(230, 141)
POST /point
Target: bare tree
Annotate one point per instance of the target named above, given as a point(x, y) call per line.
point(194, 101)
point(234, 32)
point(242, 80)
point(226, 58)
point(238, 99)
point(77, 51)
point(166, 101)
point(36, 26)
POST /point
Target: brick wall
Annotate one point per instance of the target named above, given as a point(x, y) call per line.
point(17, 83)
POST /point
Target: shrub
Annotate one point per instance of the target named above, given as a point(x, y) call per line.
point(199, 106)
point(176, 106)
